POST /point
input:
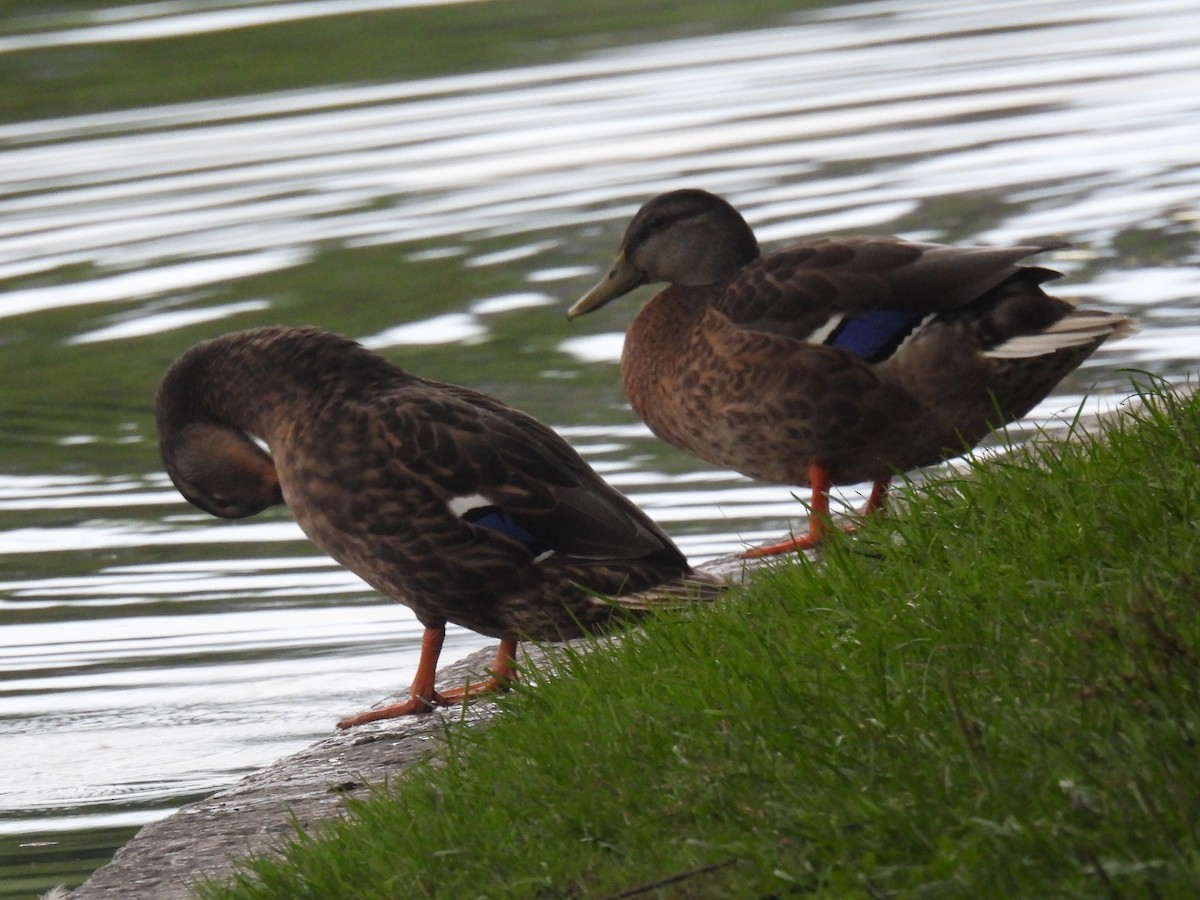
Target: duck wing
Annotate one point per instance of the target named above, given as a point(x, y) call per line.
point(503, 469)
point(865, 294)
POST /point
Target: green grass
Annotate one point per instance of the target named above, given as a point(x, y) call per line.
point(994, 692)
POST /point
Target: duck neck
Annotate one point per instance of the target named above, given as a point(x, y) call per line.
point(261, 381)
point(654, 345)
point(222, 382)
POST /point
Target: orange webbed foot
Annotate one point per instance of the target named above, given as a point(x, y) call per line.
point(807, 542)
point(413, 706)
point(423, 698)
point(818, 520)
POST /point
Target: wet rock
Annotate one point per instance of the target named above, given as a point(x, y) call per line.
point(260, 812)
point(203, 840)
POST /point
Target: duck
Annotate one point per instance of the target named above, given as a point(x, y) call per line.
point(438, 496)
point(833, 361)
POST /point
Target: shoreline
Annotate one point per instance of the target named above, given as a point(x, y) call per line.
point(206, 838)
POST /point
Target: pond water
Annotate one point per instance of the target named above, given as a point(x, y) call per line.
point(151, 654)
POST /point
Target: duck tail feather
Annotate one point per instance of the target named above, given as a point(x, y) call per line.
point(1076, 329)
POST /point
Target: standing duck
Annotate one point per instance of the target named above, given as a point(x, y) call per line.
point(438, 496)
point(832, 361)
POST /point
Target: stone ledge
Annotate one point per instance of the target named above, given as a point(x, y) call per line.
point(205, 839)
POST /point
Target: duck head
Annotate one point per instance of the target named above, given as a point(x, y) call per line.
point(220, 470)
point(686, 237)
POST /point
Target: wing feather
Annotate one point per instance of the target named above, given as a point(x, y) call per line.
point(472, 444)
point(799, 291)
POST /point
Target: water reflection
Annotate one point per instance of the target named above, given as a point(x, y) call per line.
point(441, 221)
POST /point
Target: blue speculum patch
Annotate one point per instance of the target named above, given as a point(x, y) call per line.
point(501, 520)
point(875, 335)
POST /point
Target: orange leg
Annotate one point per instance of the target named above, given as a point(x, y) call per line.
point(504, 673)
point(875, 503)
point(423, 697)
point(878, 498)
point(818, 518)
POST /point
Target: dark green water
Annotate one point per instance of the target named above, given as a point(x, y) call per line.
point(442, 182)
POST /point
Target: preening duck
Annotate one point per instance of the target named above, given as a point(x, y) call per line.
point(833, 361)
point(440, 497)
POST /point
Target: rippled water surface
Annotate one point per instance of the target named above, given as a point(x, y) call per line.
point(151, 654)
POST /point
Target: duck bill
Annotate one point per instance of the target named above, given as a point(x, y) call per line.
point(621, 278)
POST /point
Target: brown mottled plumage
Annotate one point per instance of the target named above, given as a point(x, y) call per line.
point(833, 361)
point(438, 496)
